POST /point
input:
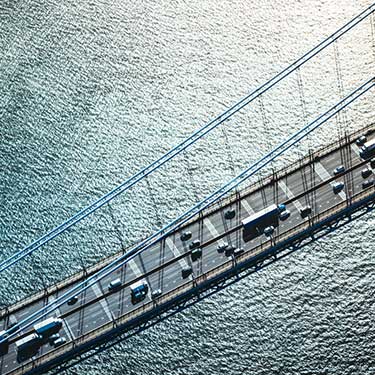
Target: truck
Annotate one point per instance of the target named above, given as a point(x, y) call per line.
point(28, 346)
point(4, 345)
point(254, 225)
point(48, 327)
point(138, 291)
point(367, 150)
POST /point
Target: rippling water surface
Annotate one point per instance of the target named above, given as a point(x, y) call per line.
point(90, 91)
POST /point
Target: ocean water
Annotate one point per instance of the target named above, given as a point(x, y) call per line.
point(90, 91)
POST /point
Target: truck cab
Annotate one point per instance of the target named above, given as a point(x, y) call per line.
point(138, 291)
point(28, 346)
point(4, 345)
point(368, 149)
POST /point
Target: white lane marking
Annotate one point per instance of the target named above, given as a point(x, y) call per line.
point(289, 194)
point(246, 206)
point(212, 230)
point(102, 301)
point(324, 175)
point(134, 267)
point(51, 298)
point(12, 319)
point(176, 252)
point(355, 148)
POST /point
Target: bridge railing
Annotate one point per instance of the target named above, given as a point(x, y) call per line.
point(228, 201)
point(186, 287)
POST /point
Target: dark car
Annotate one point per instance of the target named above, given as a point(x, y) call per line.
point(229, 251)
point(195, 244)
point(238, 252)
point(361, 140)
point(221, 247)
point(368, 183)
point(196, 254)
point(186, 272)
point(72, 301)
point(230, 214)
point(366, 172)
point(156, 293)
point(186, 236)
point(337, 187)
point(305, 211)
point(269, 231)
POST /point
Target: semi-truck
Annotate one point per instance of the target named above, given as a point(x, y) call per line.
point(254, 225)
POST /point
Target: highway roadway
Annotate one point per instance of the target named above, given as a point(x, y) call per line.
point(213, 225)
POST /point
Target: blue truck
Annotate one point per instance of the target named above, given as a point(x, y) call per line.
point(48, 327)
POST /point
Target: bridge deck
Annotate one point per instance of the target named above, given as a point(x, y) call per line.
point(162, 264)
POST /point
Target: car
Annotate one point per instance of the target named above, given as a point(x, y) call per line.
point(338, 170)
point(221, 247)
point(368, 183)
point(361, 140)
point(195, 244)
point(284, 215)
point(114, 285)
point(268, 231)
point(72, 301)
point(196, 254)
point(53, 338)
point(186, 272)
point(59, 342)
point(305, 211)
point(372, 163)
point(366, 172)
point(237, 252)
point(186, 236)
point(156, 293)
point(229, 251)
point(229, 215)
point(337, 187)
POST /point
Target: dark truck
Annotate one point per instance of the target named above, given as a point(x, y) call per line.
point(254, 225)
point(28, 346)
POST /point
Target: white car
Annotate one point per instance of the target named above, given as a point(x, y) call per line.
point(284, 215)
point(337, 187)
point(269, 231)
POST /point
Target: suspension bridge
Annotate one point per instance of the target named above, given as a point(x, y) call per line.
point(221, 239)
